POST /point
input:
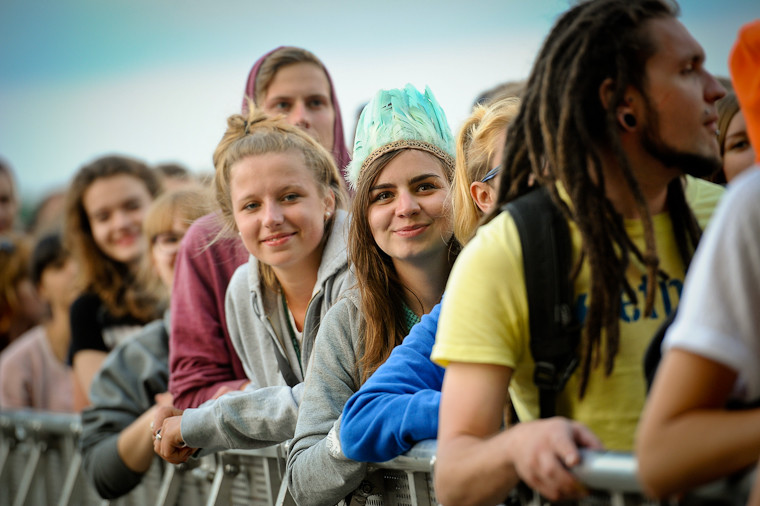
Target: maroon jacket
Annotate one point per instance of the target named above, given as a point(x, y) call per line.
point(201, 355)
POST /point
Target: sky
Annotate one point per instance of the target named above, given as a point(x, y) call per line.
point(156, 80)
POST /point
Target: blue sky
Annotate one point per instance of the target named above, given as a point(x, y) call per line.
point(156, 80)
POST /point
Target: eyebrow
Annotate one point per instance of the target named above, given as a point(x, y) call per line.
point(111, 206)
point(738, 133)
point(293, 186)
point(697, 57)
point(290, 97)
point(415, 179)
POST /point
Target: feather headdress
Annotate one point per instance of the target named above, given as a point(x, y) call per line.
point(397, 119)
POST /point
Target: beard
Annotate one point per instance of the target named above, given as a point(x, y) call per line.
point(693, 164)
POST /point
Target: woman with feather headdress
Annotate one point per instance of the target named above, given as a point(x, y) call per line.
point(401, 245)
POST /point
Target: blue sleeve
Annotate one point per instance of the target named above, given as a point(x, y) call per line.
point(398, 405)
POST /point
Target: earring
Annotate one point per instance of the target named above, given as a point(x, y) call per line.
point(327, 214)
point(629, 120)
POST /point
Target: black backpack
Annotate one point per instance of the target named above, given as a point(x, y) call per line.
point(546, 247)
point(554, 328)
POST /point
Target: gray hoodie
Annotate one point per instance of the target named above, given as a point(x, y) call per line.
point(264, 413)
point(122, 390)
point(318, 472)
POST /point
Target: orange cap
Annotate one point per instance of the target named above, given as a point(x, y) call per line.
point(744, 62)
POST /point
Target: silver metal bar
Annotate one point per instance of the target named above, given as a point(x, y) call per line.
point(28, 477)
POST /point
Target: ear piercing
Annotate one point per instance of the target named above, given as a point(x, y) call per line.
point(629, 120)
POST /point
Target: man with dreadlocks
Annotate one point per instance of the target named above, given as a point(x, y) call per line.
point(618, 115)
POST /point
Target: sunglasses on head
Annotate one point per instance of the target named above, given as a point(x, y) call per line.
point(491, 174)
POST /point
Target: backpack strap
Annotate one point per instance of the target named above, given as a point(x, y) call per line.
point(554, 330)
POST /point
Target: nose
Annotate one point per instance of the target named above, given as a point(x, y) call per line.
point(713, 89)
point(273, 216)
point(407, 204)
point(299, 115)
point(121, 219)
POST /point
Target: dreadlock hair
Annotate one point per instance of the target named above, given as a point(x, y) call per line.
point(563, 127)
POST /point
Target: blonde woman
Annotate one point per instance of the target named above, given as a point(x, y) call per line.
point(280, 190)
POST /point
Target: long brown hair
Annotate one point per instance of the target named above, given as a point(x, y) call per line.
point(111, 280)
point(381, 290)
point(563, 132)
point(257, 134)
point(15, 251)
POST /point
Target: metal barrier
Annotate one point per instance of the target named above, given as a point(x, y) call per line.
point(40, 464)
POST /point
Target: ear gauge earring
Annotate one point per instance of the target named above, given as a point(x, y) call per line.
point(629, 120)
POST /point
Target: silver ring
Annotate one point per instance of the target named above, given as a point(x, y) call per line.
point(158, 435)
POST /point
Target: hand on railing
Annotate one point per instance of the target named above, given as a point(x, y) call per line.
point(546, 450)
point(167, 436)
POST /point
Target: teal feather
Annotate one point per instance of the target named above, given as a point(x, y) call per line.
point(399, 115)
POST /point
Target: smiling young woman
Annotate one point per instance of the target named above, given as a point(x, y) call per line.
point(287, 82)
point(401, 245)
point(105, 208)
point(280, 190)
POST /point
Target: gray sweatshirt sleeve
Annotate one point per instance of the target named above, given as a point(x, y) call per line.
point(107, 471)
point(318, 472)
point(262, 414)
point(132, 374)
point(251, 418)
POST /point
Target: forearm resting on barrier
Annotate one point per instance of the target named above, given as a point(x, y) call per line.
point(686, 437)
point(135, 443)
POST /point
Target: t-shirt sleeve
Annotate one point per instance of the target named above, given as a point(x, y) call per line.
point(484, 317)
point(86, 328)
point(703, 197)
point(718, 317)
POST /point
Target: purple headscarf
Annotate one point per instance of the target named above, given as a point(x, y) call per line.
point(339, 151)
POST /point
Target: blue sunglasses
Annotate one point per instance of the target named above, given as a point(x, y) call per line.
point(491, 174)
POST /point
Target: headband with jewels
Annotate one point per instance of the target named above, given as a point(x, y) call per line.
point(397, 119)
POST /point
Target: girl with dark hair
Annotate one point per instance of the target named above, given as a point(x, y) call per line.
point(402, 246)
point(105, 207)
point(33, 370)
point(116, 443)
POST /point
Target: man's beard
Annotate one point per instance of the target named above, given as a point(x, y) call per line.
point(693, 164)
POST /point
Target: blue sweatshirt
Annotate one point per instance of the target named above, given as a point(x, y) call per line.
point(398, 405)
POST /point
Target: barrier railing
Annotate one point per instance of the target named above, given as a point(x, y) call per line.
point(40, 464)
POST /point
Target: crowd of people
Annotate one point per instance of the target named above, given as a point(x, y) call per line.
point(356, 303)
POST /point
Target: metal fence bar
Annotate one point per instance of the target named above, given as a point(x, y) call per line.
point(28, 476)
point(73, 477)
point(222, 484)
point(170, 483)
point(39, 440)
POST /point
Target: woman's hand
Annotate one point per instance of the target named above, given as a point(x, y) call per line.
point(167, 436)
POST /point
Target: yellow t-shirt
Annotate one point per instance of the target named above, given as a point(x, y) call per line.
point(484, 319)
